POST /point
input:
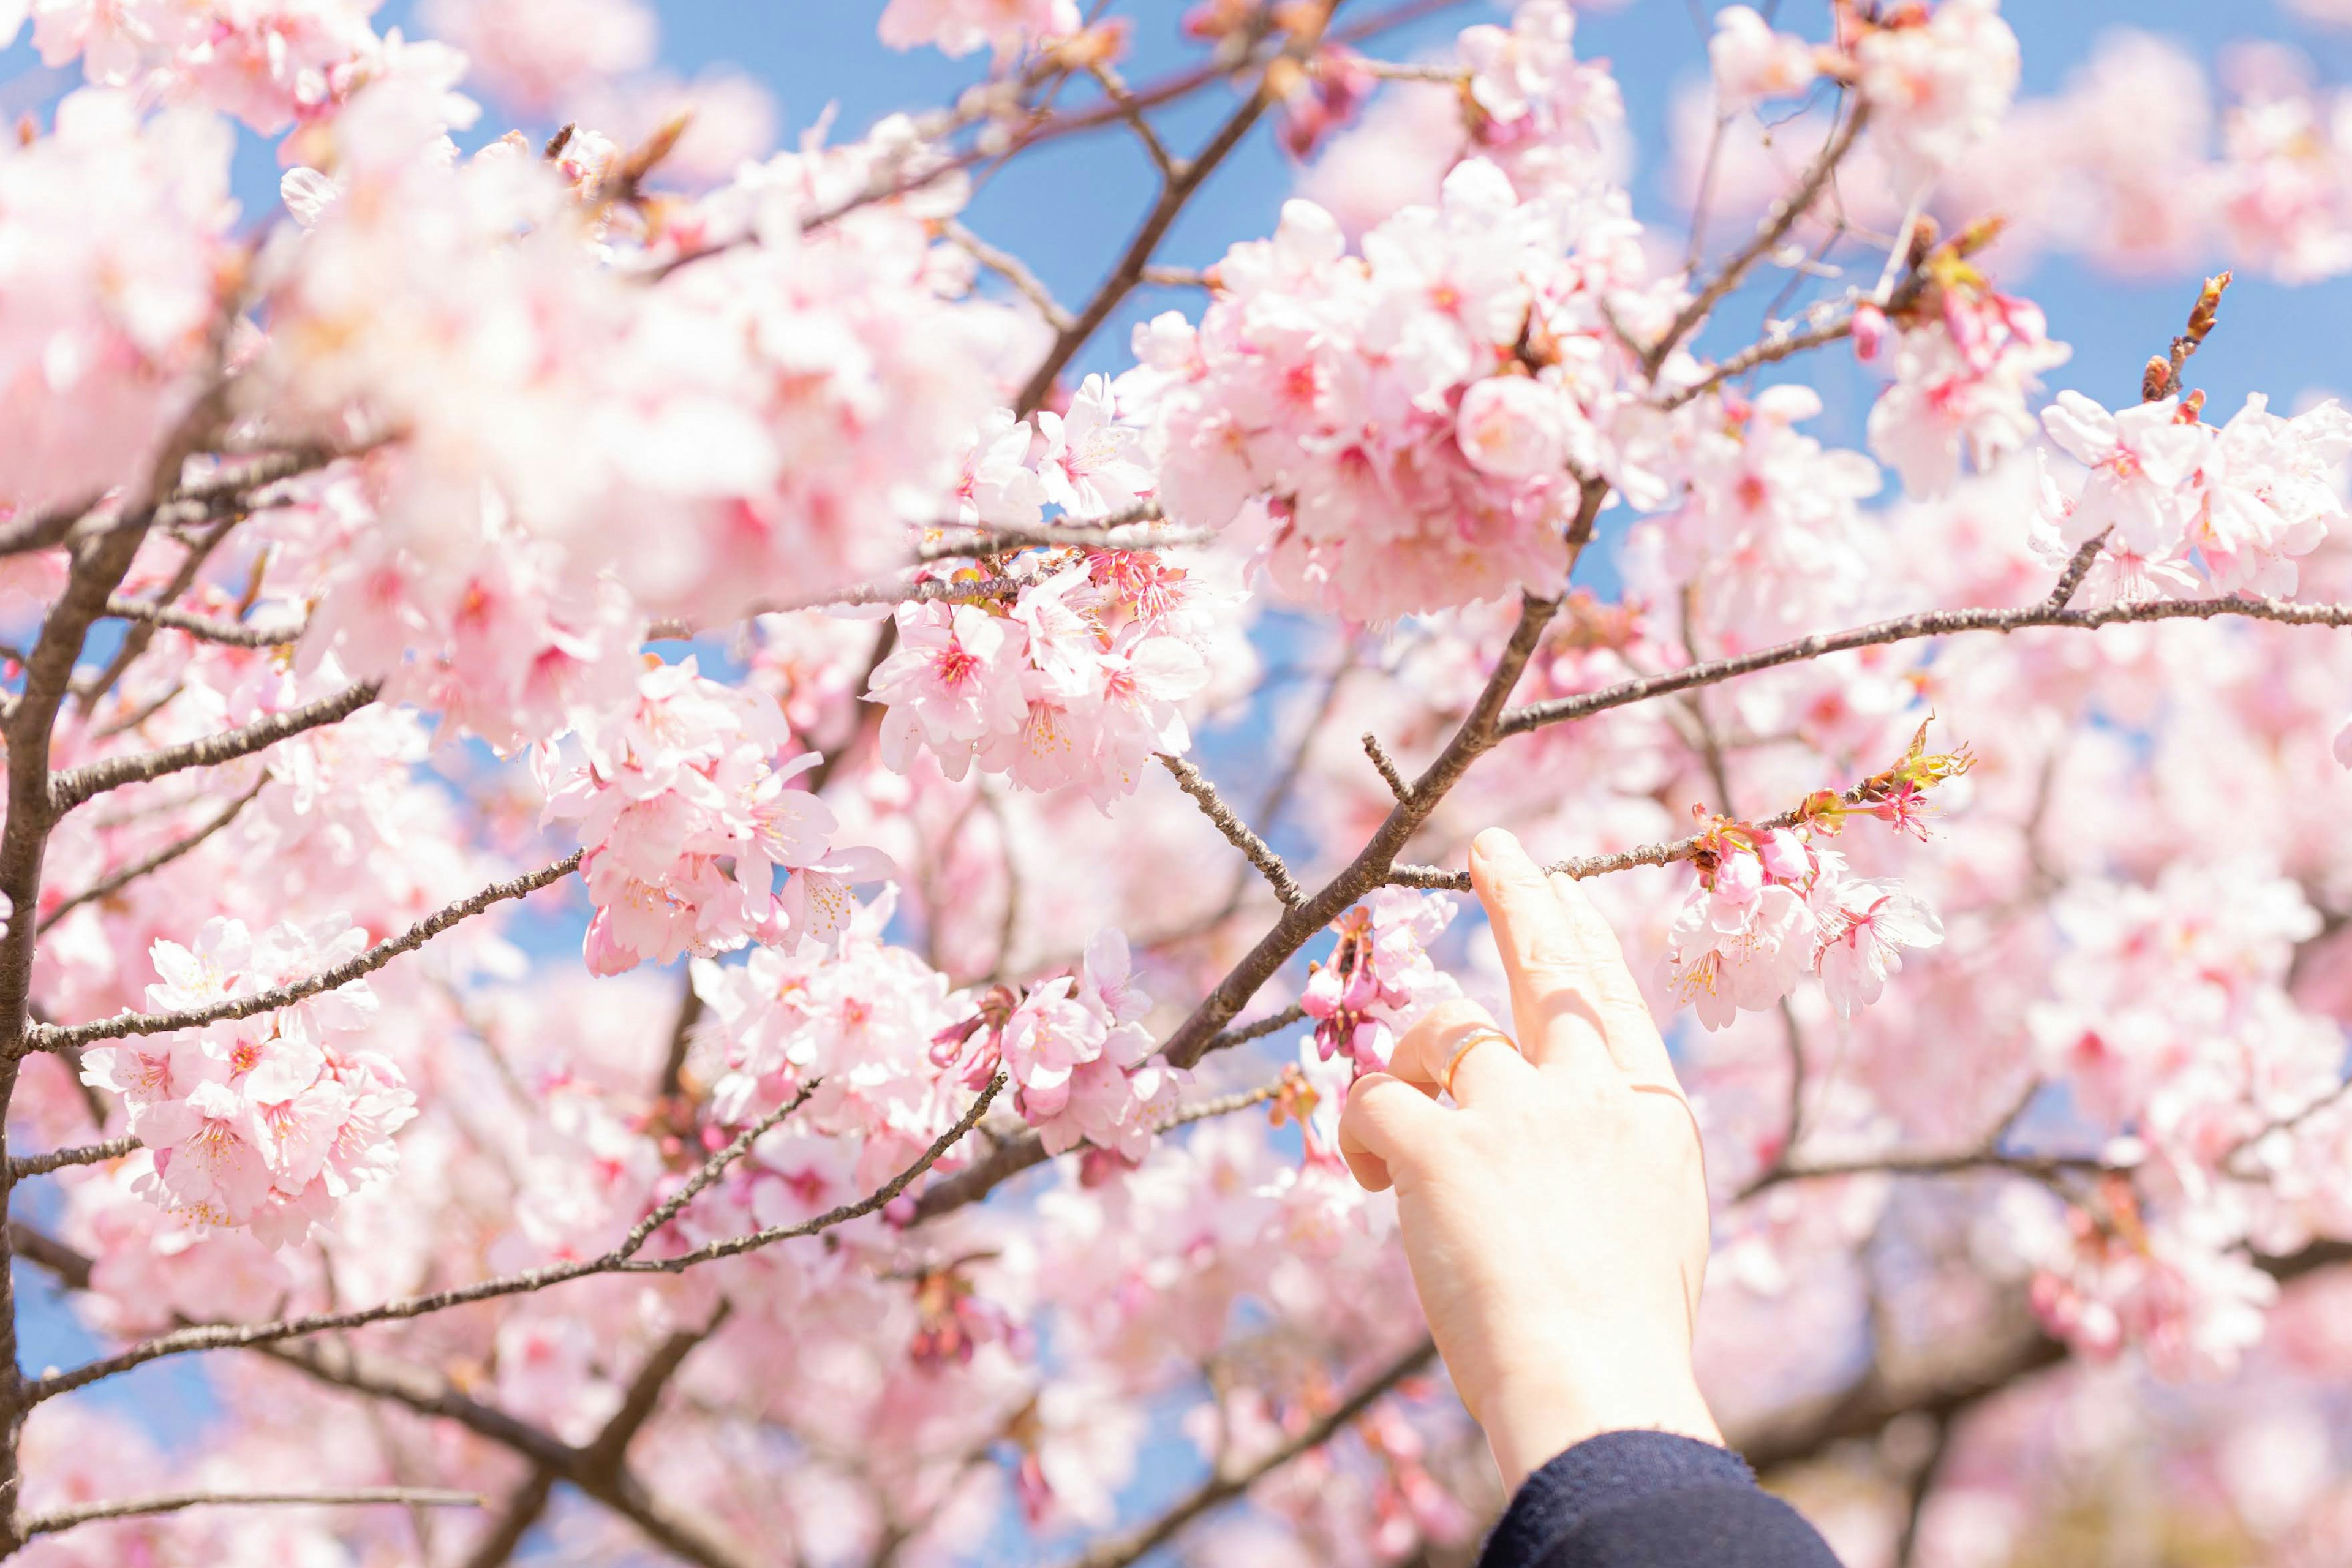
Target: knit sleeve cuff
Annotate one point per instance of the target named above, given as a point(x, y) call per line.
point(1604, 1473)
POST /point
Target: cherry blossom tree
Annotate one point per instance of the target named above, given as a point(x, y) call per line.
point(689, 875)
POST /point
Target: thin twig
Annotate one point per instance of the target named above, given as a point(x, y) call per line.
point(1175, 193)
point(1260, 854)
point(1013, 270)
point(68, 790)
point(172, 1502)
point(1381, 760)
point(861, 594)
point(243, 1336)
point(17, 1169)
point(108, 886)
point(1769, 351)
point(1430, 876)
point(59, 1037)
point(1119, 1551)
point(234, 634)
point(1778, 222)
point(1907, 629)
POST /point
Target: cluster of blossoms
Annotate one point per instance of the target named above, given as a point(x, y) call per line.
point(2182, 502)
point(1965, 359)
point(266, 1123)
point(1079, 674)
point(1773, 904)
point(856, 1020)
point(688, 812)
point(1936, 81)
point(536, 54)
point(2264, 177)
point(1761, 504)
point(107, 318)
point(781, 396)
point(1409, 425)
point(1378, 979)
point(2180, 1289)
point(959, 27)
point(1075, 1050)
point(269, 62)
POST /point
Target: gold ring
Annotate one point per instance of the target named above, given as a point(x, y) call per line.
point(1477, 1037)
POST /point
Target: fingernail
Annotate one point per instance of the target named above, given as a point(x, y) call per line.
point(1495, 844)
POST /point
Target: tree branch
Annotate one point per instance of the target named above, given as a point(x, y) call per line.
point(109, 886)
point(18, 1168)
point(1478, 733)
point(235, 634)
point(68, 790)
point(1388, 768)
point(172, 1502)
point(1876, 1399)
point(1008, 1157)
point(242, 1336)
point(1908, 629)
point(1430, 876)
point(1778, 222)
point(59, 1037)
point(1259, 853)
point(1175, 193)
point(1119, 1551)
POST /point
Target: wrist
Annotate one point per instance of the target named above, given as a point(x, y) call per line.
point(1535, 1419)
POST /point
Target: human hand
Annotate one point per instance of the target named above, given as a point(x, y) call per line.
point(1556, 1218)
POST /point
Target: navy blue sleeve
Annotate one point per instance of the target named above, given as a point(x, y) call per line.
point(1651, 1499)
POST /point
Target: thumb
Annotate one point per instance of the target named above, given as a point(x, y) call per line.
point(1386, 1126)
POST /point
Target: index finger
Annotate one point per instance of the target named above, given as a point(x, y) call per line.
point(1554, 1002)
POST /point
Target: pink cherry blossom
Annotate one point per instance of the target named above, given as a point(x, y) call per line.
point(2140, 459)
point(959, 27)
point(1865, 928)
point(1752, 62)
point(1939, 83)
point(1379, 978)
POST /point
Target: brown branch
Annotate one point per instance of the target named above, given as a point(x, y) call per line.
point(338, 1364)
point(1478, 733)
point(243, 1336)
point(2078, 568)
point(711, 1169)
point(1013, 270)
point(68, 790)
point(861, 594)
point(1876, 1399)
point(1118, 1550)
point(1008, 1157)
point(234, 634)
point(1770, 351)
point(1175, 193)
point(98, 565)
point(59, 1038)
point(682, 1040)
point(1782, 218)
point(600, 1465)
point(1388, 768)
point(1907, 629)
point(108, 886)
point(1259, 853)
point(20, 1167)
point(1135, 528)
point(522, 1510)
point(1433, 878)
point(172, 1502)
